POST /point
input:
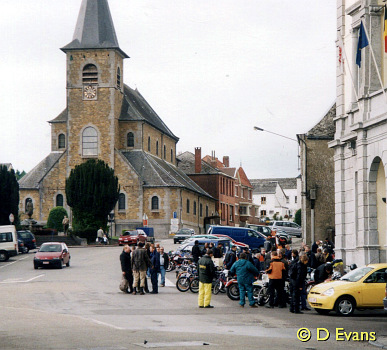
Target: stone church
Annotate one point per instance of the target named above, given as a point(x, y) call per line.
point(106, 119)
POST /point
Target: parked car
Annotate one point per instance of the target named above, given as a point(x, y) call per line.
point(234, 242)
point(265, 230)
point(20, 246)
point(52, 254)
point(362, 288)
point(150, 235)
point(252, 238)
point(291, 228)
point(132, 237)
point(186, 248)
point(183, 234)
point(8, 242)
point(28, 239)
point(385, 298)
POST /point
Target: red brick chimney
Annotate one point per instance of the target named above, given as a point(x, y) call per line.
point(226, 161)
point(198, 160)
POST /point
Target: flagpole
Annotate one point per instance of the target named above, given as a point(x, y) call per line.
point(350, 73)
point(373, 57)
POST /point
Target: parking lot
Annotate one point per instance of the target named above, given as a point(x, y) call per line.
point(81, 307)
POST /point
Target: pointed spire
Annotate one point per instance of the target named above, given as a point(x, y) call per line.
point(95, 28)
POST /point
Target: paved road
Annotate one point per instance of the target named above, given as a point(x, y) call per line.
point(81, 307)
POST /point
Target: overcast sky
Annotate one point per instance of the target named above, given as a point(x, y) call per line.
point(211, 69)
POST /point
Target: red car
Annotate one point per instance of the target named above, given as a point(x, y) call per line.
point(52, 254)
point(132, 237)
point(238, 244)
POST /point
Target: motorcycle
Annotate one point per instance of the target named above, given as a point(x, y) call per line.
point(232, 288)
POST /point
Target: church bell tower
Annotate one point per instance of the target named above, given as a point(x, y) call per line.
point(94, 63)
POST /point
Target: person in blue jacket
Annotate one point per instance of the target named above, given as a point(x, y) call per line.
point(154, 269)
point(245, 272)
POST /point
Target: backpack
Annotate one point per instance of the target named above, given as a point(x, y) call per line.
point(292, 273)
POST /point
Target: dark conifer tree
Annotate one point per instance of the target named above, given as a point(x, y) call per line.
point(9, 196)
point(92, 191)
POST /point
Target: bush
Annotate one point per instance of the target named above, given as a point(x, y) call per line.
point(45, 232)
point(297, 217)
point(55, 218)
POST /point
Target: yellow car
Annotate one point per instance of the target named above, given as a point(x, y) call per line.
point(362, 288)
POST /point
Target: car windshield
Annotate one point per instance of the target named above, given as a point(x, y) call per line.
point(356, 274)
point(50, 248)
point(133, 234)
point(184, 231)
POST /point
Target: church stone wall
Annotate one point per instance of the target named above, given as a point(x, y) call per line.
point(34, 195)
point(124, 129)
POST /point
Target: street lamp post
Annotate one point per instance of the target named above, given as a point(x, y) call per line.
point(260, 129)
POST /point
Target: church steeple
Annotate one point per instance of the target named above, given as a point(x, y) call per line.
point(95, 28)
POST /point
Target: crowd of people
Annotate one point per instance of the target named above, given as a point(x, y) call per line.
point(137, 263)
point(280, 263)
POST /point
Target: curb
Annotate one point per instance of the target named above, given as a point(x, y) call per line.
point(378, 344)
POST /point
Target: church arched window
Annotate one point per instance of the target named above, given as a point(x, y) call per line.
point(90, 74)
point(89, 142)
point(119, 77)
point(28, 200)
point(155, 203)
point(59, 200)
point(165, 152)
point(149, 144)
point(61, 141)
point(130, 139)
point(171, 155)
point(121, 201)
point(157, 148)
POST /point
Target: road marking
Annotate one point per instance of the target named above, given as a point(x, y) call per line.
point(13, 262)
point(168, 283)
point(12, 280)
point(173, 344)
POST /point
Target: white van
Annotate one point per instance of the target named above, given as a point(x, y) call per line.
point(8, 242)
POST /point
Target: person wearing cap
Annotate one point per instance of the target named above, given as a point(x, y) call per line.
point(206, 274)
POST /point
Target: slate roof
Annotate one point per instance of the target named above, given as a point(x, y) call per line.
point(325, 128)
point(94, 28)
point(61, 118)
point(230, 171)
point(32, 179)
point(136, 108)
point(269, 187)
point(186, 163)
point(285, 182)
point(155, 172)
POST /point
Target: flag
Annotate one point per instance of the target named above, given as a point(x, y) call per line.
point(385, 29)
point(363, 42)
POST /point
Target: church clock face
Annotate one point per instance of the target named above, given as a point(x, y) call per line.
point(89, 92)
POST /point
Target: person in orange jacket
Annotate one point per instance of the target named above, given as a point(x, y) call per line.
point(274, 273)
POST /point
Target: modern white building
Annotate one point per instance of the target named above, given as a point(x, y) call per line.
point(360, 142)
point(278, 196)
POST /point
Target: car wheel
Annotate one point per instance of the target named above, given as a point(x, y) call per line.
point(4, 256)
point(174, 241)
point(345, 306)
point(322, 311)
point(68, 264)
point(26, 250)
point(36, 266)
point(61, 264)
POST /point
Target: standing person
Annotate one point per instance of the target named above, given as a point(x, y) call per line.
point(297, 275)
point(126, 267)
point(315, 246)
point(311, 257)
point(274, 273)
point(288, 252)
point(267, 244)
point(154, 269)
point(65, 223)
point(327, 244)
point(262, 259)
point(140, 263)
point(248, 254)
point(230, 257)
point(206, 275)
point(320, 258)
point(245, 272)
point(218, 254)
point(327, 256)
point(196, 252)
point(164, 262)
point(100, 234)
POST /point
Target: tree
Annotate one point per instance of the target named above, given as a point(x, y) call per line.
point(9, 196)
point(55, 218)
point(92, 191)
point(297, 217)
point(19, 174)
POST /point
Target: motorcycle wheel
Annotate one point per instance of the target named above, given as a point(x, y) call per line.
point(194, 285)
point(171, 266)
point(182, 284)
point(217, 287)
point(263, 296)
point(256, 290)
point(233, 291)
